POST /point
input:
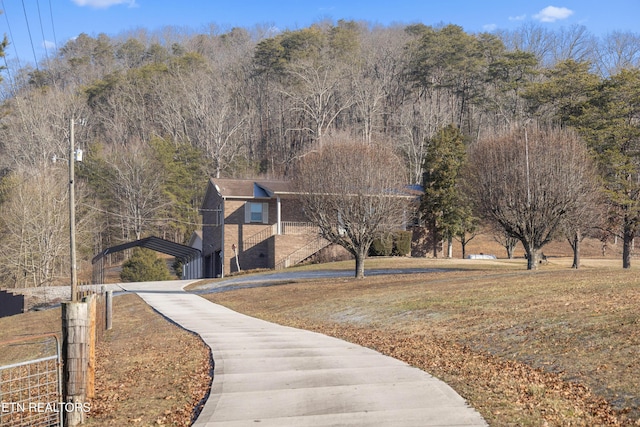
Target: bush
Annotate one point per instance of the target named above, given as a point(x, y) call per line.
point(144, 266)
point(402, 243)
point(396, 244)
point(382, 246)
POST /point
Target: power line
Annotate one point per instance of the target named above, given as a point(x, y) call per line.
point(130, 217)
point(10, 36)
point(26, 18)
point(11, 79)
point(44, 40)
point(53, 27)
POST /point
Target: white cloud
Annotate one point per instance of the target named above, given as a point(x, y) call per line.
point(552, 14)
point(104, 4)
point(49, 45)
point(489, 27)
point(518, 18)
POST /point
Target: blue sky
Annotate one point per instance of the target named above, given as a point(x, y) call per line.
point(53, 22)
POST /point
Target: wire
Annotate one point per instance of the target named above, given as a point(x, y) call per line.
point(53, 27)
point(44, 40)
point(155, 220)
point(35, 58)
point(11, 38)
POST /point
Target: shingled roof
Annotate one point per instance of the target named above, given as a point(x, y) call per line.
point(250, 188)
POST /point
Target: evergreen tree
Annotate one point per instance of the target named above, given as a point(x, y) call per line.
point(442, 206)
point(609, 123)
point(144, 266)
point(3, 46)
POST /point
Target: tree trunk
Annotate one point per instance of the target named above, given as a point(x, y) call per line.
point(628, 235)
point(533, 258)
point(450, 247)
point(434, 230)
point(576, 250)
point(360, 256)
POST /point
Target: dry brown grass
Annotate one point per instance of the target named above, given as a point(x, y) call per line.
point(24, 326)
point(149, 371)
point(553, 347)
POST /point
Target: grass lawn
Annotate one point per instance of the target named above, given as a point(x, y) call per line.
point(552, 347)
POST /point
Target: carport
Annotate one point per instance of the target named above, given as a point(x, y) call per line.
point(191, 258)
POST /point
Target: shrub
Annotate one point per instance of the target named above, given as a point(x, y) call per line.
point(382, 246)
point(402, 243)
point(144, 266)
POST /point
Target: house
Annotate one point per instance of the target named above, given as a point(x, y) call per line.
point(252, 224)
point(195, 241)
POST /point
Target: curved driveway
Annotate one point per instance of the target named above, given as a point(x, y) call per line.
point(271, 278)
point(271, 375)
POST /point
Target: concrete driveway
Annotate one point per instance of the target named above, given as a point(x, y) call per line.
point(271, 278)
point(270, 375)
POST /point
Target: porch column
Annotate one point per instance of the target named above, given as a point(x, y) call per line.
point(279, 226)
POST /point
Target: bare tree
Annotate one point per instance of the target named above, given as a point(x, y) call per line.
point(204, 99)
point(318, 94)
point(532, 38)
point(506, 241)
point(617, 51)
point(34, 127)
point(34, 226)
point(467, 230)
point(33, 229)
point(529, 182)
point(585, 220)
point(353, 192)
point(378, 70)
point(135, 187)
point(574, 42)
point(213, 117)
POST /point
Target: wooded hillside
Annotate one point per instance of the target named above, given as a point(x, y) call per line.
point(157, 114)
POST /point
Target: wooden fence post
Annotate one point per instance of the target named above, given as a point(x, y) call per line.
point(109, 310)
point(74, 356)
point(91, 340)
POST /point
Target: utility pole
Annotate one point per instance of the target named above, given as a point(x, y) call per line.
point(75, 320)
point(72, 214)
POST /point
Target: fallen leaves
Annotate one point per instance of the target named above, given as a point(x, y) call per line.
point(554, 348)
point(149, 372)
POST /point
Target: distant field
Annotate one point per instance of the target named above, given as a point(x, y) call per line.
point(557, 346)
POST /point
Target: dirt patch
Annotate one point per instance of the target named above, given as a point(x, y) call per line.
point(554, 347)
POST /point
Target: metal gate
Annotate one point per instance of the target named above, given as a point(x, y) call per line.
point(31, 385)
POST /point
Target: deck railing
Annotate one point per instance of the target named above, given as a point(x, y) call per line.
point(258, 237)
point(302, 253)
point(291, 227)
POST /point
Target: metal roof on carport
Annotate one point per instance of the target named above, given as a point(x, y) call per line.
point(182, 252)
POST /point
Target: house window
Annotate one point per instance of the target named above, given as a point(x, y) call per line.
point(256, 212)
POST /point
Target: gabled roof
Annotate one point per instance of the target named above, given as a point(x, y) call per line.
point(250, 188)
